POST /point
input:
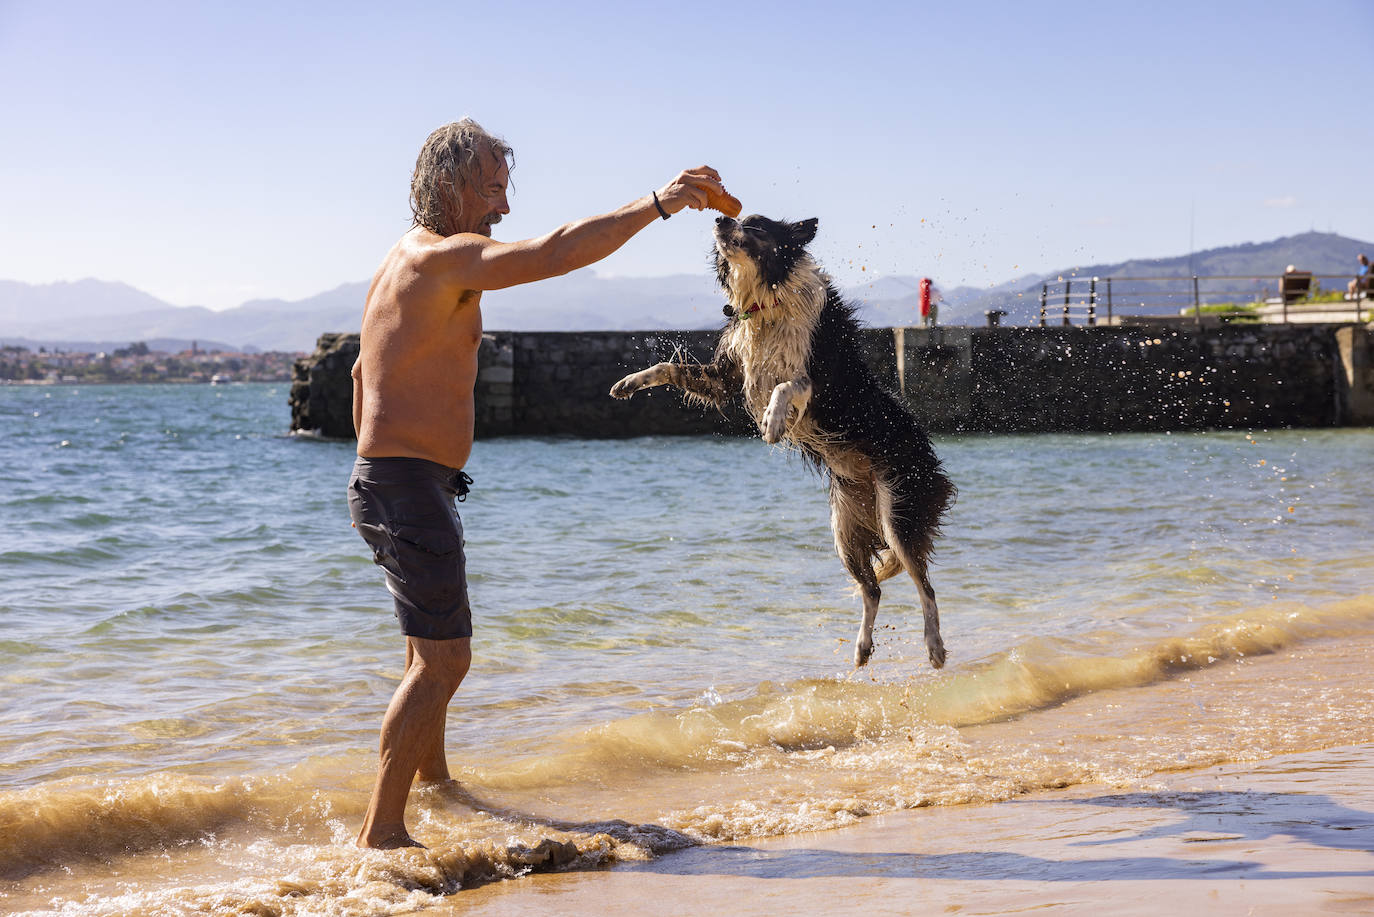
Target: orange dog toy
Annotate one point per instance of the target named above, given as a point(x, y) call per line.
point(725, 202)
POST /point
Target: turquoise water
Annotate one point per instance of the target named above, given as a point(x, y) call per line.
point(183, 597)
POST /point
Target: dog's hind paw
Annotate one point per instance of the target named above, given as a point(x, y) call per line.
point(937, 654)
point(863, 651)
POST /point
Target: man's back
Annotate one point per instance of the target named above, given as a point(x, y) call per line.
point(413, 382)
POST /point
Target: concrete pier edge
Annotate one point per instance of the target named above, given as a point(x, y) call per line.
point(956, 379)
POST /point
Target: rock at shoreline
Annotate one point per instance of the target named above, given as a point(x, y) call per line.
point(322, 388)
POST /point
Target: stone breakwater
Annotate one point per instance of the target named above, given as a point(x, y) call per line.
point(1006, 379)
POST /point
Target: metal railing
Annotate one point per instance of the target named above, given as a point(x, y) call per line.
point(1087, 299)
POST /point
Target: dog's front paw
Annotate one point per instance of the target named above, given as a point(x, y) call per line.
point(774, 424)
point(626, 387)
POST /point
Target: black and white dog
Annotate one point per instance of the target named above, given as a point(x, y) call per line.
point(791, 347)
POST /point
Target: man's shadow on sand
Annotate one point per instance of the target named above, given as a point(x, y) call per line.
point(1220, 816)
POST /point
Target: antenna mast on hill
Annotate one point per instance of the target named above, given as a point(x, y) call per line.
point(1191, 208)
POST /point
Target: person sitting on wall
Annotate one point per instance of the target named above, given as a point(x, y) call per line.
point(1364, 279)
point(1294, 284)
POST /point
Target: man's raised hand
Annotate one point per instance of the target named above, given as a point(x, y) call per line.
point(690, 188)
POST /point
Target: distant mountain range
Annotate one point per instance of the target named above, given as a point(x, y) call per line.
point(96, 315)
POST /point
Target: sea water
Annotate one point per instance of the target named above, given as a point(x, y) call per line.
point(196, 649)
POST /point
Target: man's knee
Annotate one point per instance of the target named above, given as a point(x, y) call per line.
point(443, 661)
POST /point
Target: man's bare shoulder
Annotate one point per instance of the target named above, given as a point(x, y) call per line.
point(416, 278)
point(466, 261)
point(446, 260)
point(416, 257)
point(423, 245)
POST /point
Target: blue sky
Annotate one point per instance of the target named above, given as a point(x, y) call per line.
point(214, 153)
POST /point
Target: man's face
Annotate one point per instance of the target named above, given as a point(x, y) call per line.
point(484, 199)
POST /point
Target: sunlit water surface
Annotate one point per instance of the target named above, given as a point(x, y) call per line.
point(196, 649)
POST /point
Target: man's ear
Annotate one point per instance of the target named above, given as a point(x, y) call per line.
point(804, 231)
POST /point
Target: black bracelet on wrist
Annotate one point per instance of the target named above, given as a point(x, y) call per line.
point(659, 207)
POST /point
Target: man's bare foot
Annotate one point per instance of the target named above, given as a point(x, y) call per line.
point(426, 779)
point(431, 782)
point(391, 840)
point(446, 790)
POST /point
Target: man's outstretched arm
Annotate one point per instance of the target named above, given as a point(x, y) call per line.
point(476, 262)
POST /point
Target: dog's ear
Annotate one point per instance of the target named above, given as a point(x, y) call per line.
point(804, 231)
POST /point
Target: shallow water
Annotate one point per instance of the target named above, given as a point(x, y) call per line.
point(197, 650)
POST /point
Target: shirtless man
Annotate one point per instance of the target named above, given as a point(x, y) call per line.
point(413, 412)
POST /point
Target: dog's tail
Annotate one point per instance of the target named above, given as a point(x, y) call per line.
point(886, 565)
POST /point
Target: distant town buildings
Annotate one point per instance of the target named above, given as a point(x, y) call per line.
point(136, 363)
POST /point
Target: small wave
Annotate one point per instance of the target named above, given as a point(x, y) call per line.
point(178, 606)
point(1044, 672)
point(816, 714)
point(49, 500)
point(250, 597)
point(90, 520)
point(64, 557)
point(129, 616)
point(308, 865)
point(48, 827)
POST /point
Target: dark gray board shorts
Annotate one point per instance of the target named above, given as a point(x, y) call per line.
point(403, 508)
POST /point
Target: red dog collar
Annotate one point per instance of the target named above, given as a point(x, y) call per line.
point(755, 307)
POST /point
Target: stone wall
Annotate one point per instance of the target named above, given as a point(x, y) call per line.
point(1123, 377)
point(1355, 375)
point(955, 379)
point(561, 383)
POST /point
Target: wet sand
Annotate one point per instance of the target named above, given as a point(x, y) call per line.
point(1292, 834)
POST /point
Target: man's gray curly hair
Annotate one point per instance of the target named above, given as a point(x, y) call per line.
point(450, 157)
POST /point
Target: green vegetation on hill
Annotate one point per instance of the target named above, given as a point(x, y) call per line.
point(1321, 253)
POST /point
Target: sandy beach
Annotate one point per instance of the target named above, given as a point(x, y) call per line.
point(1259, 832)
point(1290, 835)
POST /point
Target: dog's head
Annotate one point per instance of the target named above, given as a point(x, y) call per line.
point(755, 254)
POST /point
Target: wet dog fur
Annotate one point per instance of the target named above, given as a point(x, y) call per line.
point(791, 349)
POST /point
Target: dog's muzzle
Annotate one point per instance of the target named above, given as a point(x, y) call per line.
point(726, 230)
